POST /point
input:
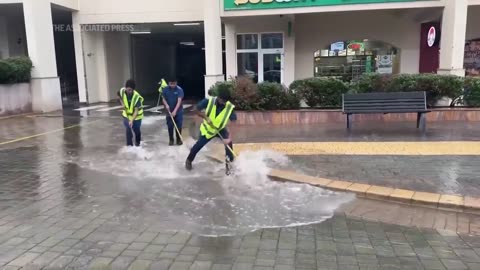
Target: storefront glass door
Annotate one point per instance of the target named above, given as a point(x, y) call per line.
point(272, 67)
point(260, 56)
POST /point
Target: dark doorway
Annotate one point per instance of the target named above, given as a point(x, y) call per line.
point(169, 50)
point(191, 70)
point(65, 53)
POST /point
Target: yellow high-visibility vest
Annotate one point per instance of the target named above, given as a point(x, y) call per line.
point(163, 85)
point(130, 108)
point(219, 121)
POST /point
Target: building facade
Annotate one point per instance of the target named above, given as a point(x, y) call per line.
point(204, 41)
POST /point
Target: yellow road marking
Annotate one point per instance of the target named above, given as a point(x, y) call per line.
point(42, 134)
point(367, 148)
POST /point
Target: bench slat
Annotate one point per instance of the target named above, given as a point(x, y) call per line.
point(395, 95)
point(399, 110)
point(349, 104)
point(385, 100)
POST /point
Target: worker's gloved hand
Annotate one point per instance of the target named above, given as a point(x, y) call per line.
point(130, 123)
point(174, 113)
point(227, 141)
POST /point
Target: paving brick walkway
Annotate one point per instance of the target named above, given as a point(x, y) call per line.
point(58, 212)
point(438, 174)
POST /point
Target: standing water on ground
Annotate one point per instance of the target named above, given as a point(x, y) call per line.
point(150, 184)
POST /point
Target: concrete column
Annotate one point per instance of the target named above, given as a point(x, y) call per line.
point(231, 49)
point(454, 27)
point(213, 44)
point(45, 84)
point(79, 59)
point(4, 50)
point(102, 67)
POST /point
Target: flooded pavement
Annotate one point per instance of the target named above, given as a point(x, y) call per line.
point(437, 174)
point(76, 198)
point(89, 166)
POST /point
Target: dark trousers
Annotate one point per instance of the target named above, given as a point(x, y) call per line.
point(136, 129)
point(171, 128)
point(202, 141)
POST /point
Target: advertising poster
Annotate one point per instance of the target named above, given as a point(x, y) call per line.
point(385, 64)
point(472, 58)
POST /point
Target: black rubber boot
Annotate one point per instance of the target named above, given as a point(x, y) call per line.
point(179, 140)
point(188, 165)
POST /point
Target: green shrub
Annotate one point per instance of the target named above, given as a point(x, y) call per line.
point(306, 90)
point(273, 96)
point(213, 89)
point(6, 72)
point(435, 86)
point(451, 86)
point(324, 92)
point(472, 92)
point(245, 94)
point(15, 70)
point(371, 82)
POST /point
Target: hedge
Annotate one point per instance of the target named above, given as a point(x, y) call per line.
point(472, 92)
point(15, 70)
point(327, 92)
point(436, 86)
point(248, 96)
point(320, 92)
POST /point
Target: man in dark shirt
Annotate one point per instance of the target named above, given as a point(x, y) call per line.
point(172, 100)
point(215, 123)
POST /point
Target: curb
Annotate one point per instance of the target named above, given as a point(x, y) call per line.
point(426, 199)
point(435, 200)
point(17, 115)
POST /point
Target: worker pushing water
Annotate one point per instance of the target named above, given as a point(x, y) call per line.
point(132, 113)
point(216, 112)
point(172, 100)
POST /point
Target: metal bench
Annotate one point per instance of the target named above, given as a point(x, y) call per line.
point(396, 102)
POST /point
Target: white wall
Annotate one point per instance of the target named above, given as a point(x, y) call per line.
point(4, 52)
point(140, 11)
point(317, 31)
point(118, 61)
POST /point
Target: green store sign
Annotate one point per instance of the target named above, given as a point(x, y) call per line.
point(273, 4)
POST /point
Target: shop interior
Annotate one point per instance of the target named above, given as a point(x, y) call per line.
point(348, 60)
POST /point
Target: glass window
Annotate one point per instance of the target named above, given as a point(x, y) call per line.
point(272, 41)
point(248, 65)
point(348, 60)
point(247, 42)
point(272, 67)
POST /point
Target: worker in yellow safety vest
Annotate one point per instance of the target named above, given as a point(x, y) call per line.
point(163, 84)
point(132, 103)
point(218, 112)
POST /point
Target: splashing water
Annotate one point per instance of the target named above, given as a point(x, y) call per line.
point(153, 186)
